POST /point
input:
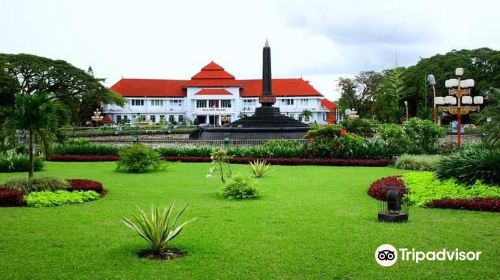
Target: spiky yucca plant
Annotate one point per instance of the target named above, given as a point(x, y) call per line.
point(158, 228)
point(260, 168)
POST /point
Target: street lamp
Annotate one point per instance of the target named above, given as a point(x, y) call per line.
point(459, 94)
point(432, 81)
point(406, 106)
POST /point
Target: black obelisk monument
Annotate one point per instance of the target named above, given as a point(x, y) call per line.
point(267, 122)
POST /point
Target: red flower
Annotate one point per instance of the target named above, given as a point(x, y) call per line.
point(343, 132)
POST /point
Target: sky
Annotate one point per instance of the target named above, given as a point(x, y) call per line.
point(319, 41)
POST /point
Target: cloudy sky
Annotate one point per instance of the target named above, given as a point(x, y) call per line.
point(317, 40)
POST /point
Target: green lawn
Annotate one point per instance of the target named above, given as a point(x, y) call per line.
point(311, 222)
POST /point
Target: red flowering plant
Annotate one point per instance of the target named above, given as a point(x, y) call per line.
point(343, 132)
point(85, 185)
point(9, 197)
point(379, 188)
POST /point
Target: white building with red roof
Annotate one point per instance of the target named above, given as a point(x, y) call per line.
point(212, 96)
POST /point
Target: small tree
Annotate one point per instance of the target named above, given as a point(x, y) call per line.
point(220, 161)
point(40, 115)
point(306, 114)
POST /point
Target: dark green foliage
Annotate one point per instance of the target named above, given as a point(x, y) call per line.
point(35, 184)
point(239, 187)
point(491, 128)
point(359, 126)
point(76, 89)
point(175, 151)
point(471, 164)
point(85, 149)
point(11, 161)
point(138, 158)
point(58, 198)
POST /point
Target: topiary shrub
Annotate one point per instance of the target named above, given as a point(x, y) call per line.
point(138, 158)
point(379, 188)
point(418, 162)
point(35, 184)
point(84, 185)
point(239, 187)
point(471, 164)
point(10, 197)
point(58, 198)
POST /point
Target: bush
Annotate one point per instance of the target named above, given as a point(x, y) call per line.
point(379, 188)
point(84, 158)
point(418, 162)
point(35, 184)
point(294, 161)
point(394, 138)
point(259, 168)
point(185, 151)
point(85, 148)
point(471, 164)
point(10, 197)
point(84, 185)
point(158, 228)
point(478, 204)
point(426, 187)
point(359, 126)
point(424, 135)
point(239, 187)
point(138, 158)
point(283, 148)
point(58, 198)
point(11, 161)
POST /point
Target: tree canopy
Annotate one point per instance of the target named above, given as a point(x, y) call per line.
point(28, 74)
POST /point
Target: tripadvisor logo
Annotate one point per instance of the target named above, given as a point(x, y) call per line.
point(387, 255)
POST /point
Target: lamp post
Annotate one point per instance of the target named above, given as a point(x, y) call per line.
point(406, 106)
point(432, 81)
point(459, 95)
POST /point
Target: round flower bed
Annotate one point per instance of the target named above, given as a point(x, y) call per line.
point(33, 193)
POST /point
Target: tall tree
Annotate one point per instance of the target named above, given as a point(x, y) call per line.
point(358, 93)
point(79, 91)
point(39, 114)
point(388, 105)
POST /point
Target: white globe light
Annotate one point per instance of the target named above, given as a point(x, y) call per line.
point(439, 100)
point(459, 71)
point(466, 99)
point(450, 100)
point(470, 82)
point(451, 83)
point(478, 100)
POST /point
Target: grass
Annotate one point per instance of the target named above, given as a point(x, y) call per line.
point(311, 222)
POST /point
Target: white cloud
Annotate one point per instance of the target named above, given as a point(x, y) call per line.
point(318, 40)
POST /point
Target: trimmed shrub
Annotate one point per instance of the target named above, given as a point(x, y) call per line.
point(58, 198)
point(138, 158)
point(418, 162)
point(471, 164)
point(359, 126)
point(85, 148)
point(83, 158)
point(14, 162)
point(10, 197)
point(84, 185)
point(478, 204)
point(185, 151)
point(239, 187)
point(293, 161)
point(379, 188)
point(426, 187)
point(35, 184)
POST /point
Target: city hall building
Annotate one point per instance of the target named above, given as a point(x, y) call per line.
point(214, 97)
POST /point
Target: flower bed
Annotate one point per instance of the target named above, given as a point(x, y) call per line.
point(85, 185)
point(478, 204)
point(292, 161)
point(9, 197)
point(428, 191)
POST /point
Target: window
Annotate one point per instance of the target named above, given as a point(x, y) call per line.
point(137, 102)
point(162, 117)
point(171, 118)
point(125, 118)
point(175, 102)
point(249, 102)
point(289, 102)
point(156, 102)
point(213, 103)
point(201, 104)
point(181, 118)
point(303, 101)
point(225, 103)
point(152, 118)
point(118, 119)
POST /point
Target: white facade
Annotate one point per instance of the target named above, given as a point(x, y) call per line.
point(214, 109)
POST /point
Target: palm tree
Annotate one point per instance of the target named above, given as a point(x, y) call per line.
point(40, 115)
point(306, 114)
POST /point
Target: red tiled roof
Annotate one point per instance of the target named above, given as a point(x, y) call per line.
point(331, 109)
point(213, 91)
point(212, 71)
point(212, 75)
